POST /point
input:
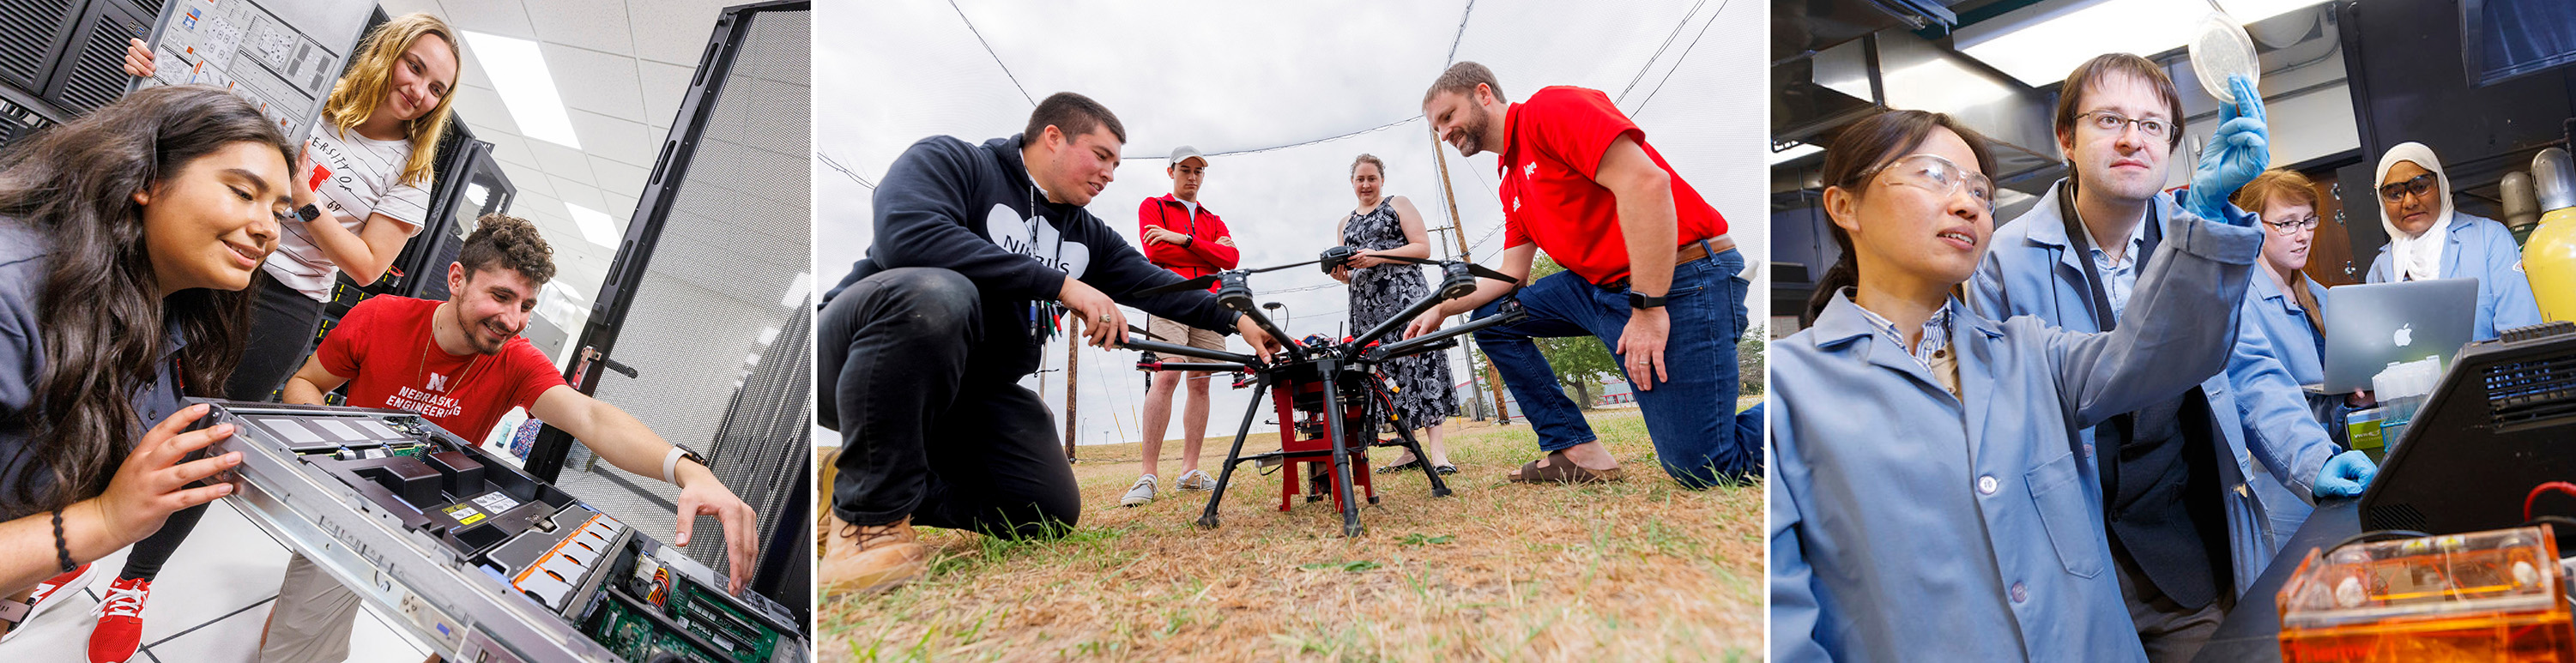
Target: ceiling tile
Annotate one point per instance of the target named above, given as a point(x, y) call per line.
point(482, 109)
point(530, 180)
point(401, 7)
point(594, 81)
point(562, 162)
point(585, 195)
point(613, 138)
point(598, 25)
point(506, 146)
point(679, 30)
point(663, 85)
point(616, 177)
point(508, 18)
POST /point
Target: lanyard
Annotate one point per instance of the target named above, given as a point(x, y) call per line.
point(1041, 315)
point(2100, 300)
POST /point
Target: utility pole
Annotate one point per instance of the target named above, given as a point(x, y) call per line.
point(1493, 380)
point(1072, 379)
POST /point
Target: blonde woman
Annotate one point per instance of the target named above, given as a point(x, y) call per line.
point(361, 189)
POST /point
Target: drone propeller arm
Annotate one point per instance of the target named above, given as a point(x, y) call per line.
point(1175, 350)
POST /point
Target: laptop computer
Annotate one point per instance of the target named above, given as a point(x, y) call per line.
point(2369, 326)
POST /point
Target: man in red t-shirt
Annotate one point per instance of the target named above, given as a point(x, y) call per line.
point(461, 364)
point(1649, 271)
point(1183, 236)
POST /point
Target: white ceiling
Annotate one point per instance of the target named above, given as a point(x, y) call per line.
point(621, 80)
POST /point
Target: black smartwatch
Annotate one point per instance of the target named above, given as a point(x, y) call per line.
point(1639, 300)
point(308, 212)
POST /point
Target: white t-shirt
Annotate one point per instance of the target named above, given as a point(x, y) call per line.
point(354, 177)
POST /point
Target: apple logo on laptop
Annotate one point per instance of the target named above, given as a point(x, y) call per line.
point(2405, 334)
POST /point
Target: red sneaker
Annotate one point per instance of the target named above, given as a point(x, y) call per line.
point(52, 592)
point(120, 621)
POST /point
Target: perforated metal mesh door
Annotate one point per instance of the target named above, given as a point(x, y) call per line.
point(718, 329)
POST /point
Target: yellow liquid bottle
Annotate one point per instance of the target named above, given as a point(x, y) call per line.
point(2549, 260)
point(2549, 257)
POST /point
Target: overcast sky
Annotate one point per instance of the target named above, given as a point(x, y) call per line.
point(1225, 78)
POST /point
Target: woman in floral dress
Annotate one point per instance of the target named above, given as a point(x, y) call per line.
point(1388, 226)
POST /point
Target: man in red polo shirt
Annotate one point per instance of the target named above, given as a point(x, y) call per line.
point(461, 364)
point(1183, 236)
point(1649, 271)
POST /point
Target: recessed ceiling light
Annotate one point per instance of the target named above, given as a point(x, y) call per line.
point(1792, 154)
point(526, 86)
point(595, 225)
point(2040, 44)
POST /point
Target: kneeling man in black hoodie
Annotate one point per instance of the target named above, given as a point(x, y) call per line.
point(979, 248)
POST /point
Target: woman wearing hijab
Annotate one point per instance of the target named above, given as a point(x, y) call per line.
point(2429, 238)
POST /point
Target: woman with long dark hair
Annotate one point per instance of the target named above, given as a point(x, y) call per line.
point(127, 239)
point(361, 191)
point(1925, 459)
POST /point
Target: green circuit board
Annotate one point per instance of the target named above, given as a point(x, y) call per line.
point(737, 637)
point(747, 640)
point(635, 637)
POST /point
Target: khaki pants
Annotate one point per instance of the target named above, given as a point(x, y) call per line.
point(312, 618)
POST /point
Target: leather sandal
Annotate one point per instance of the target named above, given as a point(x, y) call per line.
point(1561, 470)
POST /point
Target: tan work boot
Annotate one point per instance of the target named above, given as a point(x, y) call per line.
point(871, 558)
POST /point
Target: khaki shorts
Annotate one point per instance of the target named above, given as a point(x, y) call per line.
point(1173, 332)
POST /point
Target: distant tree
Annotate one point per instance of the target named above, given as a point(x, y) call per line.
point(1581, 362)
point(1748, 359)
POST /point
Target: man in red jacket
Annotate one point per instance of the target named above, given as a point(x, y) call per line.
point(1183, 236)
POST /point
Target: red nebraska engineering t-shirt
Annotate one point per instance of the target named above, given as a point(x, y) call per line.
point(1556, 141)
point(384, 347)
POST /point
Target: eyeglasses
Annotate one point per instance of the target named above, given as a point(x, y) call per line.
point(2115, 123)
point(2293, 225)
point(1938, 175)
point(2418, 186)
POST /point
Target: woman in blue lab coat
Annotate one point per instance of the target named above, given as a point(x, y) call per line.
point(2429, 239)
point(2287, 309)
point(1930, 498)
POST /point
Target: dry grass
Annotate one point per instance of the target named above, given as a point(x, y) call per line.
point(1640, 570)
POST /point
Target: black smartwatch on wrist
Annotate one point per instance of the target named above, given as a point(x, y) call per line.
point(308, 212)
point(1639, 300)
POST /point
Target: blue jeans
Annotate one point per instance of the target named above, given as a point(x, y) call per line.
point(1698, 438)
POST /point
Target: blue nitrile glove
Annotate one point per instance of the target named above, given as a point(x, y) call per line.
point(2345, 475)
point(2238, 151)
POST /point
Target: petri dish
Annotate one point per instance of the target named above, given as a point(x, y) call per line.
point(2219, 48)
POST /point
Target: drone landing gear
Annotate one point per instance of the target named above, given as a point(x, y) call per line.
point(1333, 464)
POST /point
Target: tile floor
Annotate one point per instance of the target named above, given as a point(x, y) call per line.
point(207, 605)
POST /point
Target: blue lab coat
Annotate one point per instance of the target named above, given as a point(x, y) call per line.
point(2483, 249)
point(1908, 524)
point(2300, 347)
point(2260, 410)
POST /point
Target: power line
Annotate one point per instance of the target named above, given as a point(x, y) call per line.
point(1659, 50)
point(1677, 62)
point(1326, 139)
point(1462, 31)
point(845, 170)
point(988, 50)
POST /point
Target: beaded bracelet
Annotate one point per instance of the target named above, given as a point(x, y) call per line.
point(62, 550)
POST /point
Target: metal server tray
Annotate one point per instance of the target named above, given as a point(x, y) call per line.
point(407, 562)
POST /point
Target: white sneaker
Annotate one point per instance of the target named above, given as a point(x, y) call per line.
point(1141, 493)
point(1198, 480)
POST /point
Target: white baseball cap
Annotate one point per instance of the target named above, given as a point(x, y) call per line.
point(1185, 153)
